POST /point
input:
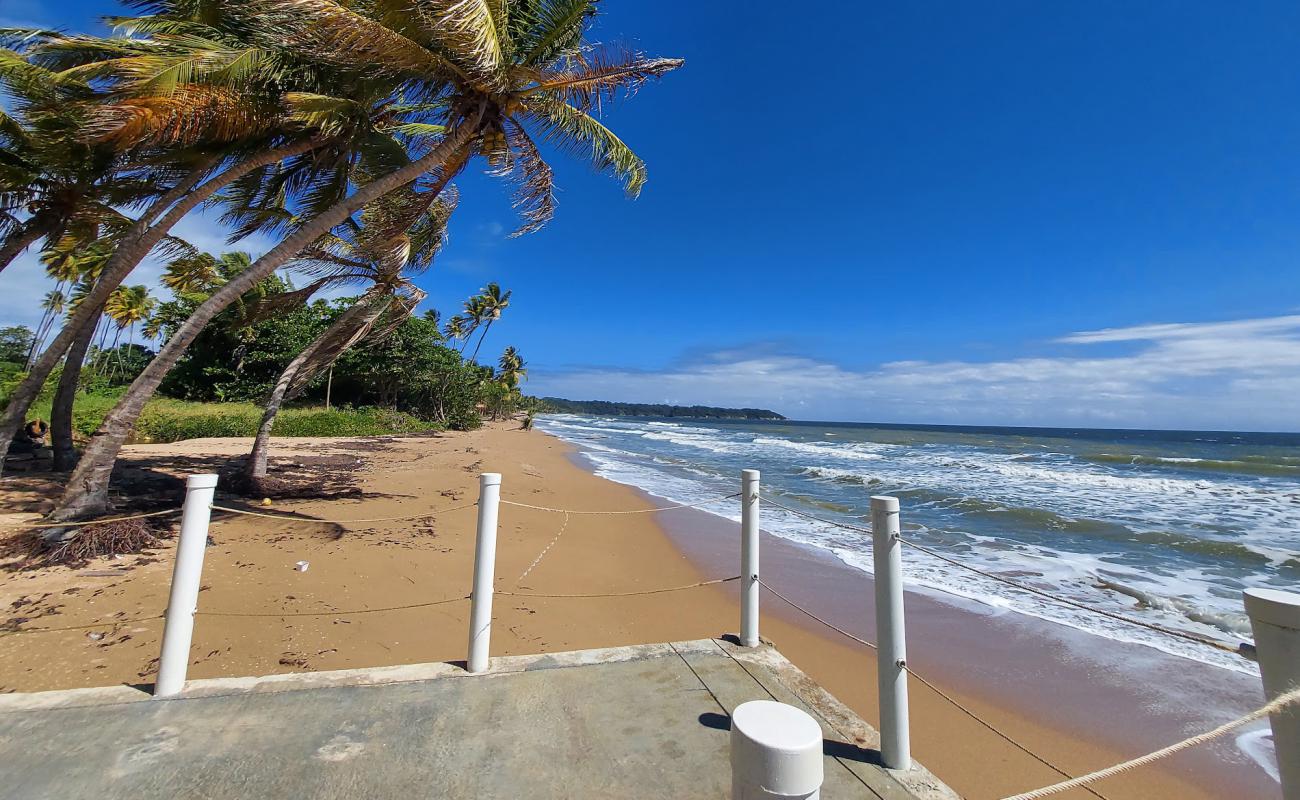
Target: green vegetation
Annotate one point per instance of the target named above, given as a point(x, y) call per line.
point(337, 129)
point(607, 409)
point(169, 420)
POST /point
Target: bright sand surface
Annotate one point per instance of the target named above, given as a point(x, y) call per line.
point(259, 615)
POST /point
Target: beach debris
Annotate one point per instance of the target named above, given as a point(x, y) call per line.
point(94, 636)
point(266, 501)
point(301, 566)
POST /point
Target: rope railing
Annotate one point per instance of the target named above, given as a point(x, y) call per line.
point(623, 511)
point(944, 695)
point(637, 593)
point(84, 523)
point(291, 517)
point(1274, 706)
point(1240, 650)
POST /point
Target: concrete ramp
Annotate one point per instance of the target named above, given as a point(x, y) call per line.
point(648, 721)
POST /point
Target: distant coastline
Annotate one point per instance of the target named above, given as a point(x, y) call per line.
point(605, 408)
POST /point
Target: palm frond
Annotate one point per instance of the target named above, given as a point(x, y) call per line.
point(474, 33)
point(556, 29)
point(602, 75)
point(336, 34)
point(576, 132)
point(534, 179)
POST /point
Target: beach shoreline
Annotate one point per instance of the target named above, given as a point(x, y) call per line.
point(258, 615)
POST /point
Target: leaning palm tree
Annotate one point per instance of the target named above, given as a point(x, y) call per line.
point(485, 309)
point(394, 238)
point(280, 113)
point(51, 309)
point(498, 68)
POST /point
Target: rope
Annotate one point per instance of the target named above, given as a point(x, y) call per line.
point(105, 624)
point(1275, 705)
point(104, 521)
point(1004, 736)
point(298, 518)
point(629, 511)
point(546, 549)
point(623, 594)
point(328, 613)
point(806, 515)
point(813, 616)
point(932, 687)
point(1191, 637)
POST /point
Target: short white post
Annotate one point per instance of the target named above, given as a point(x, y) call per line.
point(749, 558)
point(891, 639)
point(776, 752)
point(178, 630)
point(1275, 619)
point(485, 561)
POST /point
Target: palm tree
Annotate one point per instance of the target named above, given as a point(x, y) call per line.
point(486, 309)
point(394, 238)
point(495, 77)
point(511, 369)
point(220, 135)
point(51, 309)
point(458, 329)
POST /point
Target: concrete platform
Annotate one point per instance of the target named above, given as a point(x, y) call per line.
point(648, 721)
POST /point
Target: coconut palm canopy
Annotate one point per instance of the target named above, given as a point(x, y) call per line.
point(336, 126)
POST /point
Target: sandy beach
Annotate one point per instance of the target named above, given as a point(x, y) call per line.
point(364, 598)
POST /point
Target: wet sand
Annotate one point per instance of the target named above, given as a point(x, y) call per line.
point(259, 615)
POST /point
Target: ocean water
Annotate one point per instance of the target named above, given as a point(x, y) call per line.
point(1165, 526)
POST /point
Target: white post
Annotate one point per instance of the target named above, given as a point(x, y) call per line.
point(1275, 619)
point(749, 558)
point(891, 640)
point(178, 630)
point(485, 559)
point(776, 753)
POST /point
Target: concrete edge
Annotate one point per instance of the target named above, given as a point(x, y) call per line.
point(367, 676)
point(918, 780)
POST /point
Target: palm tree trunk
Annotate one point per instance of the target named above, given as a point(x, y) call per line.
point(87, 490)
point(20, 241)
point(136, 244)
point(65, 396)
point(481, 337)
point(361, 313)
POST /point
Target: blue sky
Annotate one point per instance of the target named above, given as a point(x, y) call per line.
point(1000, 213)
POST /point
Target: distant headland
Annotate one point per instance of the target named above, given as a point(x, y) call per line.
point(606, 408)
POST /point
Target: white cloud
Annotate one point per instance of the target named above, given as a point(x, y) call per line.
point(1243, 374)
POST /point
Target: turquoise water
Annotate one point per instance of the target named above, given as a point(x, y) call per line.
point(1165, 526)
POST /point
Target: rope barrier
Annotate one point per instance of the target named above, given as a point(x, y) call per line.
point(628, 511)
point(1002, 735)
point(298, 518)
point(1191, 637)
point(935, 689)
point(622, 594)
point(104, 624)
point(83, 523)
point(813, 616)
point(547, 549)
point(1276, 704)
point(328, 613)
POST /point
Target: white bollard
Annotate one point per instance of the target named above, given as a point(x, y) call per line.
point(178, 630)
point(1275, 619)
point(891, 638)
point(485, 561)
point(749, 522)
point(776, 752)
